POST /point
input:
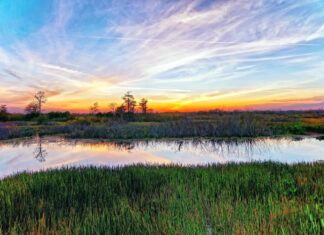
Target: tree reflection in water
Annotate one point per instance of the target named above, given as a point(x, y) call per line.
point(238, 147)
point(245, 147)
point(39, 152)
point(230, 149)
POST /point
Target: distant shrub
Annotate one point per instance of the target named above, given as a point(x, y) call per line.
point(41, 119)
point(4, 132)
point(296, 128)
point(13, 131)
point(30, 116)
point(59, 116)
point(314, 128)
point(3, 113)
point(4, 117)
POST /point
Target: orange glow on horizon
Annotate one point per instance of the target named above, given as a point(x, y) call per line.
point(158, 106)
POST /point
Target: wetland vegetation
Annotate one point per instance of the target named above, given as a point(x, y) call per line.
point(132, 121)
point(165, 125)
point(254, 198)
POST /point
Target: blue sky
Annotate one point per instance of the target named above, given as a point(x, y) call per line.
point(181, 55)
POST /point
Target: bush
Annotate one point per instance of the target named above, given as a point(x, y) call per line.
point(31, 116)
point(4, 117)
point(13, 131)
point(59, 116)
point(41, 119)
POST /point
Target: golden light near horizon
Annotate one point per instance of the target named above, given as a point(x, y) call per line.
point(181, 56)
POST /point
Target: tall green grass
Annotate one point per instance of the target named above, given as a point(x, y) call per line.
point(255, 198)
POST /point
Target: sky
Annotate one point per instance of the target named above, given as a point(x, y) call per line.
point(181, 55)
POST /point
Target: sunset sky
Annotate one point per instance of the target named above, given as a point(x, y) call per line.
point(181, 55)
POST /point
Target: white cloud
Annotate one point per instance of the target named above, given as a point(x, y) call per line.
point(227, 41)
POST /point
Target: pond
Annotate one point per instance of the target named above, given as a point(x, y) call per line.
point(38, 153)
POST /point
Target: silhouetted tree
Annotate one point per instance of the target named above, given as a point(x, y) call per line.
point(32, 108)
point(113, 107)
point(120, 109)
point(94, 109)
point(40, 99)
point(143, 105)
point(129, 102)
point(3, 109)
point(3, 113)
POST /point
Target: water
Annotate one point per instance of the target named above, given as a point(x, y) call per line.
point(51, 152)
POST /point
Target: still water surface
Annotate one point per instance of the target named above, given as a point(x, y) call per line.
point(51, 152)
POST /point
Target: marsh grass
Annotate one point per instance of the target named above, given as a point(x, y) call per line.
point(255, 198)
point(169, 125)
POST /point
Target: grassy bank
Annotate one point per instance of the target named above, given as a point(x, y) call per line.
point(256, 198)
point(169, 125)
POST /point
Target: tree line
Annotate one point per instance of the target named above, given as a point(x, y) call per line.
point(127, 108)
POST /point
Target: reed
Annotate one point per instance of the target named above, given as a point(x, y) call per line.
point(254, 198)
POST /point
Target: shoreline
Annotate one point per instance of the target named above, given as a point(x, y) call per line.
point(291, 136)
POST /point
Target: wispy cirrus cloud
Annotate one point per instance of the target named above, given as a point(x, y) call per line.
point(96, 50)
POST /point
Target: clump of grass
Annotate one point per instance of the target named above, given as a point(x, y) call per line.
point(253, 198)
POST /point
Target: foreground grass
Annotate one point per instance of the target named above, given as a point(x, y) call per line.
point(256, 198)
